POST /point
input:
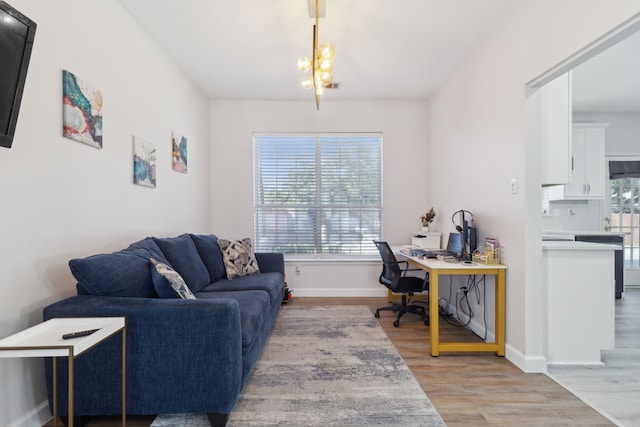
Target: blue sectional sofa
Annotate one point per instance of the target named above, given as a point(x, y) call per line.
point(183, 355)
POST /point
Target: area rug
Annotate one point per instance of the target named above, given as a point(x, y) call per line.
point(326, 366)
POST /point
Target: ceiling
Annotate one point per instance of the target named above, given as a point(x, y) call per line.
point(400, 49)
point(248, 49)
point(610, 81)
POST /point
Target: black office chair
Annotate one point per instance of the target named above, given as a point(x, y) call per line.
point(395, 279)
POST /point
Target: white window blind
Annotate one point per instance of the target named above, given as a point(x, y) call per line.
point(318, 194)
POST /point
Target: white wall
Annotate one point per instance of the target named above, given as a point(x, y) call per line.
point(478, 117)
point(61, 199)
point(404, 171)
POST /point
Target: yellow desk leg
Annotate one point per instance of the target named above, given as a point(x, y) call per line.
point(433, 313)
point(500, 310)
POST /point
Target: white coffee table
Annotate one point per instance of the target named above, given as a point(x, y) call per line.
point(45, 340)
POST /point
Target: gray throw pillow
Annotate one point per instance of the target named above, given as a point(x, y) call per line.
point(167, 282)
point(238, 256)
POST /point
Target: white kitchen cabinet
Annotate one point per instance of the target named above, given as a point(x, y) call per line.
point(579, 301)
point(555, 130)
point(588, 165)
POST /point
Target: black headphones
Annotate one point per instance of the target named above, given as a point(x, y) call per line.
point(459, 226)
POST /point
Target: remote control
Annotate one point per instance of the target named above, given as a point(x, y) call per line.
point(78, 334)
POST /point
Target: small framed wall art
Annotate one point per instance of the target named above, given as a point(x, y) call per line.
point(144, 163)
point(81, 110)
point(179, 152)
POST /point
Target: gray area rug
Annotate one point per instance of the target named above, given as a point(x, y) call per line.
point(326, 366)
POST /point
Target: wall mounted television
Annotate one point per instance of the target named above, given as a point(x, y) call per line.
point(17, 33)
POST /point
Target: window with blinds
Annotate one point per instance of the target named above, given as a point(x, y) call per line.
point(625, 216)
point(318, 194)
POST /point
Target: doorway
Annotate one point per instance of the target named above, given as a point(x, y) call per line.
point(593, 101)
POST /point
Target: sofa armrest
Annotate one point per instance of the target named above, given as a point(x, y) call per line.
point(270, 262)
point(190, 350)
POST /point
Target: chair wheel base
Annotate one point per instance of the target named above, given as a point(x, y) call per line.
point(396, 323)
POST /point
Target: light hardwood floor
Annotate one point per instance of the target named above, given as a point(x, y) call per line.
point(613, 389)
point(478, 389)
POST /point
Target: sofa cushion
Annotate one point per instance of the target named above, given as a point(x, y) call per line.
point(183, 256)
point(211, 255)
point(123, 274)
point(254, 311)
point(149, 244)
point(238, 256)
point(167, 282)
point(271, 283)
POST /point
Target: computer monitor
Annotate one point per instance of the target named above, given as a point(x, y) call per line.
point(455, 245)
point(470, 239)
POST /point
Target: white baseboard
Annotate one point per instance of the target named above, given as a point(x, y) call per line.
point(36, 417)
point(339, 292)
point(528, 364)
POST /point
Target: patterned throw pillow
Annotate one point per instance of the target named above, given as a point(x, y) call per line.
point(238, 256)
point(168, 282)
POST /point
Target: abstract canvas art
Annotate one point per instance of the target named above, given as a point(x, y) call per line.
point(81, 110)
point(179, 152)
point(144, 163)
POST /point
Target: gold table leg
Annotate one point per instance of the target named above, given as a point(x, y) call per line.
point(124, 377)
point(70, 390)
point(55, 392)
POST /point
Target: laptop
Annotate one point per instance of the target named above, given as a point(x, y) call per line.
point(455, 244)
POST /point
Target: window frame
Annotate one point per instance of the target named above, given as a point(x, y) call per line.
point(366, 251)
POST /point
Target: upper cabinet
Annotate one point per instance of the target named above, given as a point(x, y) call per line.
point(588, 161)
point(588, 165)
point(555, 130)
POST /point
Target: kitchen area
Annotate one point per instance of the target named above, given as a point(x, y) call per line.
point(583, 263)
point(589, 223)
point(575, 211)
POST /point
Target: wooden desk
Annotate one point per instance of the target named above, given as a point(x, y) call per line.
point(437, 268)
point(45, 340)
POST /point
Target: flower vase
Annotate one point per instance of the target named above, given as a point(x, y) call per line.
point(425, 228)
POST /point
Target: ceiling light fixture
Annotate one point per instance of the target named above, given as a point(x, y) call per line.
point(320, 64)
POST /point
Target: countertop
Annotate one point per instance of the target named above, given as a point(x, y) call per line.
point(564, 245)
point(586, 232)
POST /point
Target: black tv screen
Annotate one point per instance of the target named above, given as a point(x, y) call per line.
point(17, 33)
